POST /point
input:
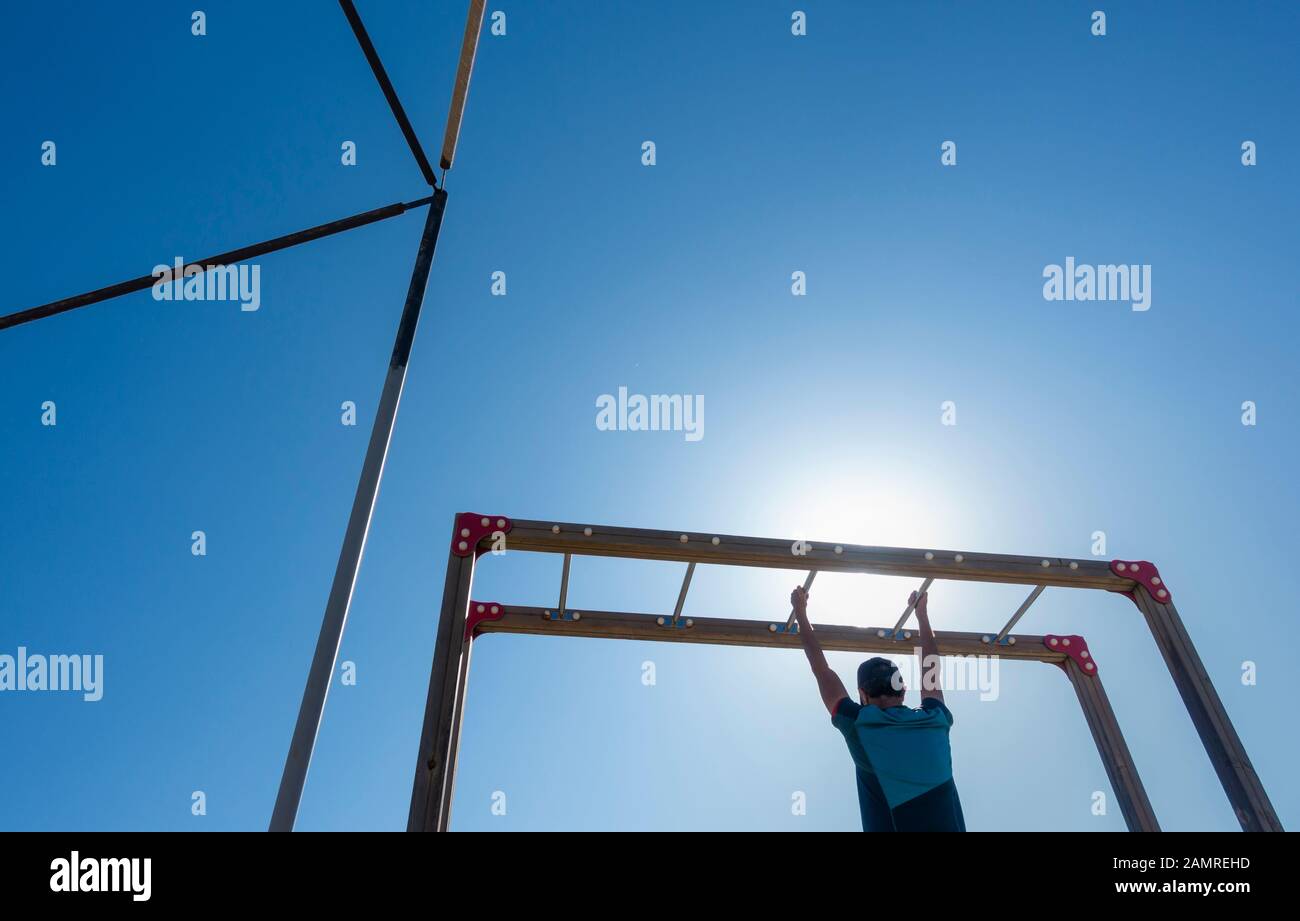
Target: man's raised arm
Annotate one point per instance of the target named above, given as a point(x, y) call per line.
point(828, 683)
point(931, 676)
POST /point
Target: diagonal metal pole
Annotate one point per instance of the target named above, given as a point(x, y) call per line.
point(221, 259)
point(354, 540)
point(381, 75)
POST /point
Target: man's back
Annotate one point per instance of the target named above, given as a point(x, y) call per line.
point(907, 752)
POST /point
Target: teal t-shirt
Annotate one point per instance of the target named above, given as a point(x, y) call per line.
point(904, 754)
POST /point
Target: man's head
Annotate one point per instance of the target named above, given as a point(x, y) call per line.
point(880, 683)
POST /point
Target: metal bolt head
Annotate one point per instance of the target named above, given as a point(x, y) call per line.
point(587, 532)
point(555, 529)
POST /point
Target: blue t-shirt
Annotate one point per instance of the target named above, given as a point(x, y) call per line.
point(904, 765)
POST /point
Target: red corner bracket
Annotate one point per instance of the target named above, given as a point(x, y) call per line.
point(1144, 573)
point(1074, 646)
point(480, 611)
point(472, 528)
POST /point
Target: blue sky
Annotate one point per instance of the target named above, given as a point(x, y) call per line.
point(775, 154)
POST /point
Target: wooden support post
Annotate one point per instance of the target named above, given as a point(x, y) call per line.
point(441, 709)
point(1245, 792)
point(1115, 757)
point(453, 749)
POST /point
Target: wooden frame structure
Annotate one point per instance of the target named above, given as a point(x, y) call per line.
point(462, 618)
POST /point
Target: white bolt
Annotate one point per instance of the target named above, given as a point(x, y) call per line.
point(689, 622)
point(587, 531)
point(1011, 641)
point(1074, 564)
point(1065, 642)
point(1134, 567)
point(716, 541)
point(1046, 563)
point(1155, 580)
point(882, 633)
point(1052, 641)
point(985, 638)
point(555, 529)
point(959, 558)
point(839, 549)
point(577, 616)
point(481, 609)
point(1121, 567)
point(1089, 666)
point(547, 615)
point(1083, 653)
point(659, 621)
point(464, 532)
point(485, 522)
point(907, 634)
point(929, 555)
point(683, 538)
point(771, 627)
point(1162, 593)
point(462, 546)
point(496, 609)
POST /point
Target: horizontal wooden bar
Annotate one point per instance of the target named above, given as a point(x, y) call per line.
point(732, 550)
point(724, 631)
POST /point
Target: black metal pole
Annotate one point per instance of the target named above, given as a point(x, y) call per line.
point(354, 540)
point(222, 259)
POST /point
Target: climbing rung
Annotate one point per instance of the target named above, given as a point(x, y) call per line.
point(1020, 612)
point(807, 584)
point(564, 584)
point(911, 606)
point(681, 596)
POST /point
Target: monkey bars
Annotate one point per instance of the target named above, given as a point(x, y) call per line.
point(462, 618)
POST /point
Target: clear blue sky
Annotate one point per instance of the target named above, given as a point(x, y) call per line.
point(775, 154)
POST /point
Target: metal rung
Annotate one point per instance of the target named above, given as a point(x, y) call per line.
point(681, 596)
point(1020, 612)
point(564, 583)
point(807, 584)
point(911, 606)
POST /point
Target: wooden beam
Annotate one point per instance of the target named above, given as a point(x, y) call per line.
point(1115, 757)
point(1249, 801)
point(724, 631)
point(732, 550)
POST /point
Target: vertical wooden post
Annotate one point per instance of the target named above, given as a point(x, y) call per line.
point(1115, 756)
point(453, 748)
point(440, 710)
point(1227, 754)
